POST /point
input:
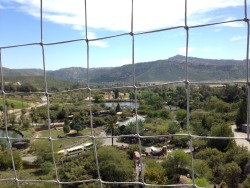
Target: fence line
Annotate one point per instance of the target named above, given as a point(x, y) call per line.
point(135, 88)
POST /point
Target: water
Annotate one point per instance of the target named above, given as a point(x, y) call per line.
point(128, 104)
point(11, 134)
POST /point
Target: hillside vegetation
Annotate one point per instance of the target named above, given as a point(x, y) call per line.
point(171, 69)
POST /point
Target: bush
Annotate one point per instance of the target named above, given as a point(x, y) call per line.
point(46, 167)
point(181, 115)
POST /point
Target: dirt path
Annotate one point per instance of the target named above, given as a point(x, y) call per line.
point(37, 134)
point(240, 142)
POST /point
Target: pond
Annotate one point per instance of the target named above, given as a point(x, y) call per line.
point(122, 104)
point(11, 134)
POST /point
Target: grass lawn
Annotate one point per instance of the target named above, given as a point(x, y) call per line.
point(64, 143)
point(26, 174)
point(17, 103)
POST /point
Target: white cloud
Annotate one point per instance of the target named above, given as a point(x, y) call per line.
point(78, 27)
point(116, 15)
point(234, 24)
point(236, 38)
point(99, 43)
point(182, 50)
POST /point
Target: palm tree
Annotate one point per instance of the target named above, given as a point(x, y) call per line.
point(110, 126)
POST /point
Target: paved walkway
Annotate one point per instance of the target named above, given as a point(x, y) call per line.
point(240, 142)
point(108, 141)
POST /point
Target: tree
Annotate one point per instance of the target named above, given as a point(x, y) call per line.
point(33, 115)
point(152, 99)
point(98, 99)
point(222, 130)
point(53, 115)
point(175, 163)
point(26, 124)
point(115, 165)
point(232, 174)
point(202, 182)
point(238, 154)
point(66, 129)
point(111, 126)
point(116, 93)
point(46, 167)
point(214, 159)
point(202, 169)
point(118, 108)
point(62, 114)
point(241, 117)
point(78, 125)
point(155, 173)
point(181, 115)
point(173, 128)
point(6, 162)
point(246, 182)
point(180, 141)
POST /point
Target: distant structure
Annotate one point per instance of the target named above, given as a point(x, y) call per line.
point(157, 152)
point(242, 128)
point(130, 120)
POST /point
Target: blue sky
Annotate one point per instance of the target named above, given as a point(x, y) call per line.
point(65, 20)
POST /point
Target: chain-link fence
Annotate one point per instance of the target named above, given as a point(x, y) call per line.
point(133, 87)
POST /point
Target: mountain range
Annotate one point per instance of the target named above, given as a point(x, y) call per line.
point(170, 69)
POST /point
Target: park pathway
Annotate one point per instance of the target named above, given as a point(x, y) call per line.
point(240, 142)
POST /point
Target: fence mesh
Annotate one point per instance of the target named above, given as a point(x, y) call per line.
point(187, 28)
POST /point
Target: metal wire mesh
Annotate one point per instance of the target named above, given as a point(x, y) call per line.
point(134, 87)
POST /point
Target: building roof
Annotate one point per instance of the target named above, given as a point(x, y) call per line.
point(131, 120)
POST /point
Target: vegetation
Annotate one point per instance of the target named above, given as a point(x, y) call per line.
point(212, 112)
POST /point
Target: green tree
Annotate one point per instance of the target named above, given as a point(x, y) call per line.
point(115, 165)
point(202, 169)
point(6, 161)
point(241, 117)
point(111, 126)
point(246, 182)
point(53, 116)
point(118, 108)
point(238, 154)
point(155, 173)
point(173, 127)
point(66, 129)
point(232, 174)
point(42, 150)
point(77, 124)
point(116, 93)
point(152, 99)
point(61, 115)
point(98, 99)
point(222, 130)
point(214, 159)
point(180, 141)
point(26, 124)
point(46, 167)
point(202, 182)
point(175, 163)
point(181, 115)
